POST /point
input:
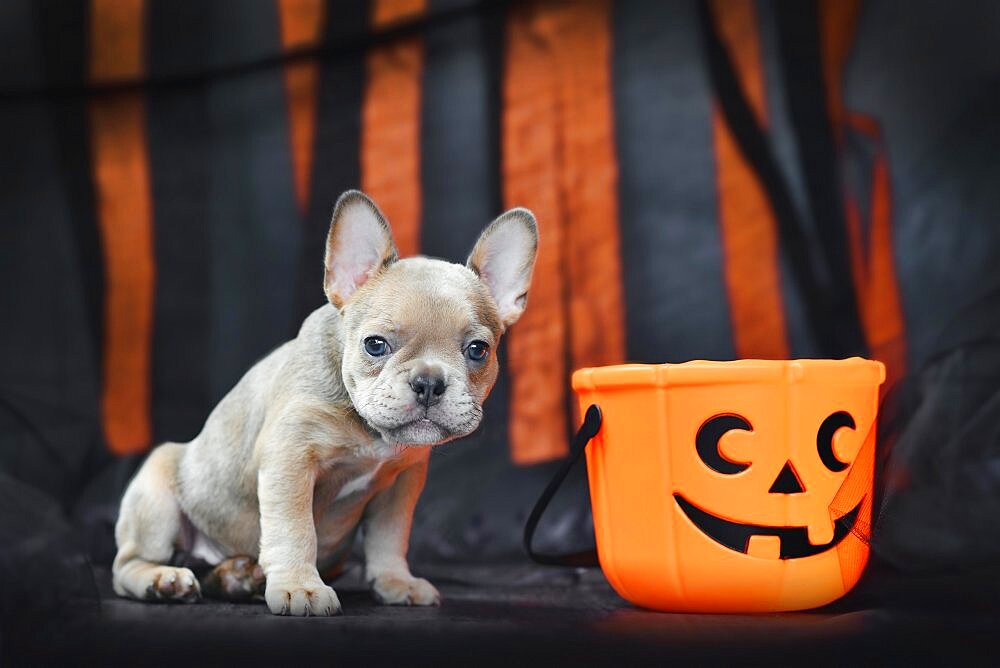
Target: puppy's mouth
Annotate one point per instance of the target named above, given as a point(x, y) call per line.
point(421, 431)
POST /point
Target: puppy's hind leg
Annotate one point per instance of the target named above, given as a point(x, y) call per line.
point(235, 579)
point(148, 529)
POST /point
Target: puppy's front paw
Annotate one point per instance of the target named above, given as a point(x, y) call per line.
point(404, 590)
point(302, 600)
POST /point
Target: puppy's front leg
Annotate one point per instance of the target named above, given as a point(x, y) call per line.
point(387, 523)
point(288, 539)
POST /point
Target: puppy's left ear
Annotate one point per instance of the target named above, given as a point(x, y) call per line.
point(504, 258)
point(358, 246)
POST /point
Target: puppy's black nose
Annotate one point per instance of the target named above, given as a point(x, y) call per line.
point(428, 388)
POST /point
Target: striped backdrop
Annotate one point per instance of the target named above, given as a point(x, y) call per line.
point(195, 150)
point(554, 98)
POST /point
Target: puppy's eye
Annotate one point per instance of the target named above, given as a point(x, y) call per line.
point(376, 346)
point(477, 351)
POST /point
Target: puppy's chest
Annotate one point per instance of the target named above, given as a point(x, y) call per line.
point(351, 481)
point(358, 480)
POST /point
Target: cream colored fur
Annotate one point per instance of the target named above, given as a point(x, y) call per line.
point(320, 437)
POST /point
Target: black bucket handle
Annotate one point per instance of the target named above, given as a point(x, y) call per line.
point(588, 430)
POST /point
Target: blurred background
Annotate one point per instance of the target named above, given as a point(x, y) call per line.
point(719, 179)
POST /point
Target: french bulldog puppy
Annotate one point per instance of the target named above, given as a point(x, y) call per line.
point(331, 431)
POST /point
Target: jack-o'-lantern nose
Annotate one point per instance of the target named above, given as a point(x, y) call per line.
point(787, 482)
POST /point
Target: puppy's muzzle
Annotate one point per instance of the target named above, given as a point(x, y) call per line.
point(428, 384)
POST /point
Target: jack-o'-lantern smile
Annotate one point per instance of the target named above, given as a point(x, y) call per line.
point(736, 536)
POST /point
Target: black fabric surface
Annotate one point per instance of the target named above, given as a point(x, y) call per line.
point(940, 435)
point(516, 614)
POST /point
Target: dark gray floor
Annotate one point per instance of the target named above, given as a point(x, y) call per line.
point(525, 615)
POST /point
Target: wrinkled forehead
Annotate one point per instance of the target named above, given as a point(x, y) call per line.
point(422, 296)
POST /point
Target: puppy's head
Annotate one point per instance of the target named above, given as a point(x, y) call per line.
point(420, 335)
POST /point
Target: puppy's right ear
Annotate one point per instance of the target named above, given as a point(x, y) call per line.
point(504, 258)
point(358, 246)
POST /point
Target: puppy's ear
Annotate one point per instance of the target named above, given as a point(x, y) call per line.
point(504, 258)
point(358, 246)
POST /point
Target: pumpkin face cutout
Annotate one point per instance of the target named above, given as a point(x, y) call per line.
point(747, 538)
point(732, 486)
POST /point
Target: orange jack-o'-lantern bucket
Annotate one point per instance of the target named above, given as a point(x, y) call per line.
point(730, 486)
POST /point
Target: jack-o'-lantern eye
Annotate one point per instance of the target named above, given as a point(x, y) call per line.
point(707, 443)
point(824, 439)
